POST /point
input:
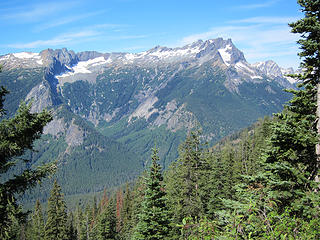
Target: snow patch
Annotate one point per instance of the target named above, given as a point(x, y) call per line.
point(291, 80)
point(255, 77)
point(24, 55)
point(6, 57)
point(243, 67)
point(83, 67)
point(175, 53)
point(130, 56)
point(288, 71)
point(225, 54)
point(109, 60)
point(259, 64)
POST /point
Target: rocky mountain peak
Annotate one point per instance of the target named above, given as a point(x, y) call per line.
point(87, 55)
point(63, 56)
point(273, 70)
point(269, 68)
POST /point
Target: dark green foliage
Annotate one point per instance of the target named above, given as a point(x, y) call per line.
point(56, 225)
point(140, 139)
point(17, 135)
point(71, 229)
point(82, 225)
point(108, 163)
point(126, 214)
point(256, 184)
point(154, 216)
point(106, 224)
point(114, 94)
point(187, 178)
point(309, 28)
point(290, 162)
point(233, 157)
point(19, 83)
point(37, 223)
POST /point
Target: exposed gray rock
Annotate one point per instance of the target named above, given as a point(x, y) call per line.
point(55, 128)
point(85, 56)
point(40, 97)
point(181, 119)
point(74, 135)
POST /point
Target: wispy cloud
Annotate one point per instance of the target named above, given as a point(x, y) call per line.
point(126, 37)
point(266, 20)
point(66, 20)
point(257, 5)
point(261, 37)
point(108, 26)
point(58, 40)
point(90, 33)
point(33, 13)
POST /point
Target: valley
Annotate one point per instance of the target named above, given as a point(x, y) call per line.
point(111, 109)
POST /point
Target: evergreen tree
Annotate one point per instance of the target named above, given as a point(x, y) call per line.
point(126, 214)
point(106, 225)
point(292, 162)
point(119, 206)
point(71, 230)
point(56, 226)
point(186, 180)
point(309, 28)
point(16, 137)
point(154, 220)
point(81, 223)
point(37, 223)
point(137, 200)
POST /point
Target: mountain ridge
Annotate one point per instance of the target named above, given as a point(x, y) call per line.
point(142, 99)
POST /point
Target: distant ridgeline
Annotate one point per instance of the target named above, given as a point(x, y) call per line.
point(110, 109)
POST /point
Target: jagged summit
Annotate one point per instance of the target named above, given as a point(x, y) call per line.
point(272, 70)
point(65, 63)
point(199, 49)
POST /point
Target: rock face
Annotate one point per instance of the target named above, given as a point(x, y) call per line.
point(134, 97)
point(273, 71)
point(40, 97)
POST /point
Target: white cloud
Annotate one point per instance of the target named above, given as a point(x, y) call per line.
point(259, 38)
point(257, 5)
point(66, 20)
point(266, 20)
point(90, 33)
point(58, 40)
point(34, 13)
point(125, 37)
point(108, 26)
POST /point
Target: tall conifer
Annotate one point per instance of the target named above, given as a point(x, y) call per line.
point(154, 218)
point(56, 226)
point(37, 223)
point(187, 180)
point(17, 135)
point(309, 28)
point(291, 162)
point(106, 225)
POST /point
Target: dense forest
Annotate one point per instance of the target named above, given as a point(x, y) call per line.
point(261, 183)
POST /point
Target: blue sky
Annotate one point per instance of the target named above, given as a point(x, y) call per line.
point(257, 27)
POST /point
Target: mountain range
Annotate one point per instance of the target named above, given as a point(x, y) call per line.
point(110, 109)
